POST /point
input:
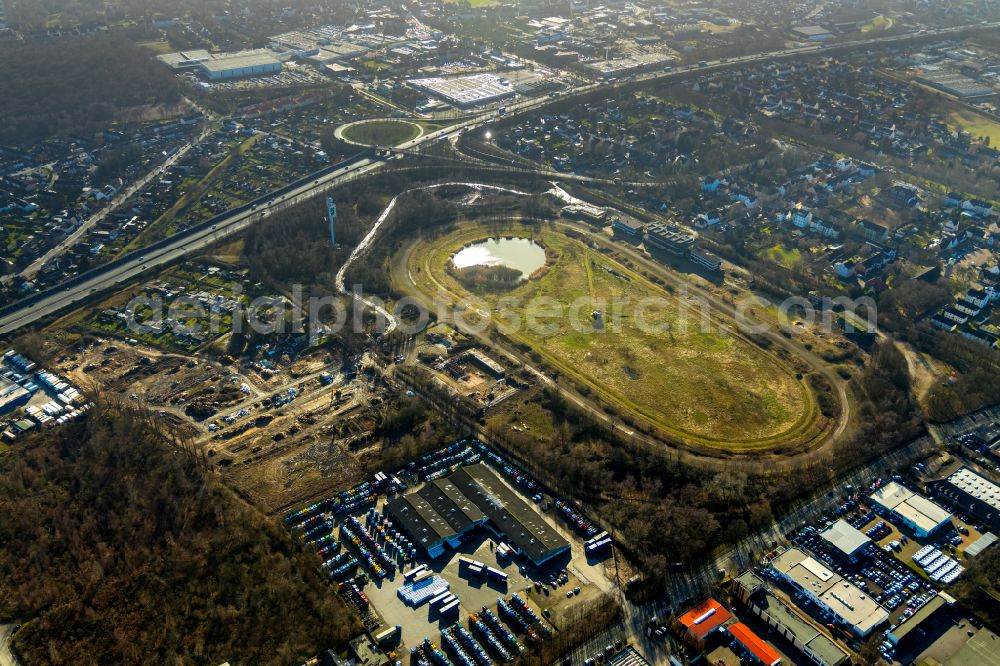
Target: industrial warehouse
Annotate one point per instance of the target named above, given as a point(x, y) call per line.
point(466, 91)
point(219, 66)
point(442, 513)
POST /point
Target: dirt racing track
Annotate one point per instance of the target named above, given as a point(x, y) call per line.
point(714, 394)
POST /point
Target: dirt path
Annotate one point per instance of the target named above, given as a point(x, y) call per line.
point(6, 656)
point(923, 374)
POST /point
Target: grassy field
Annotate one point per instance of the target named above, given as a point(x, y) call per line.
point(158, 47)
point(976, 125)
point(705, 385)
point(782, 255)
point(876, 24)
point(382, 132)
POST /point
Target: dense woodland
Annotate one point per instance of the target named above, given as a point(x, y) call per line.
point(979, 588)
point(118, 546)
point(76, 86)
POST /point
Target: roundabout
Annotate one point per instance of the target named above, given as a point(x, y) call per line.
point(382, 132)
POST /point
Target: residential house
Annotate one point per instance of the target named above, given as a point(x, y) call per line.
point(902, 196)
point(978, 206)
point(873, 231)
point(985, 338)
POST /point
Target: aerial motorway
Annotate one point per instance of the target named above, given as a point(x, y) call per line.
point(78, 289)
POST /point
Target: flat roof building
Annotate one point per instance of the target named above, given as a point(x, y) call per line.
point(970, 492)
point(983, 649)
point(12, 395)
point(671, 239)
point(703, 619)
point(755, 645)
point(466, 91)
point(182, 60)
point(815, 33)
point(848, 603)
point(976, 548)
point(807, 638)
point(628, 225)
point(917, 512)
point(445, 510)
point(846, 539)
point(938, 604)
point(706, 259)
point(957, 85)
point(218, 66)
point(239, 65)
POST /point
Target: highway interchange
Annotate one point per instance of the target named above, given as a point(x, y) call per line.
point(57, 299)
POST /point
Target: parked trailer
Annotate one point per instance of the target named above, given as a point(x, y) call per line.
point(598, 546)
point(449, 608)
point(496, 575)
point(389, 634)
point(409, 575)
point(447, 600)
point(440, 599)
point(423, 577)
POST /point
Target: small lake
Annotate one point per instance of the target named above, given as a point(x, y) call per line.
point(522, 254)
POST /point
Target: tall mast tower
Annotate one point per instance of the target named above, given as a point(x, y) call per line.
point(331, 214)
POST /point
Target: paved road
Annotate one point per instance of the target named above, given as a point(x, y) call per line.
point(58, 299)
point(115, 203)
point(6, 656)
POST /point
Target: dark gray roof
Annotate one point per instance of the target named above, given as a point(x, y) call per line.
point(447, 507)
point(523, 526)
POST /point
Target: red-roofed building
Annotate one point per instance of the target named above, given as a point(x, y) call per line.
point(764, 653)
point(702, 620)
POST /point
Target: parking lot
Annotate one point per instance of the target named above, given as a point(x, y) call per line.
point(388, 593)
point(887, 571)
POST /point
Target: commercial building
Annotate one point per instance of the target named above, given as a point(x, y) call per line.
point(917, 512)
point(846, 540)
point(628, 225)
point(696, 624)
point(643, 62)
point(807, 638)
point(971, 493)
point(466, 91)
point(240, 65)
point(849, 604)
point(669, 238)
point(12, 395)
point(219, 66)
point(445, 511)
point(928, 615)
point(706, 259)
point(983, 649)
point(585, 212)
point(957, 85)
point(813, 33)
point(755, 645)
point(185, 60)
point(976, 548)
